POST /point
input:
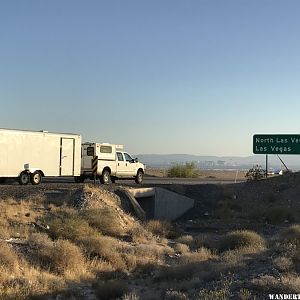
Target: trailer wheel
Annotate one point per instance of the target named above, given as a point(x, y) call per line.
point(36, 178)
point(105, 177)
point(139, 177)
point(24, 178)
point(2, 179)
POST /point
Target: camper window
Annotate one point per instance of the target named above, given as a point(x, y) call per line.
point(90, 151)
point(106, 149)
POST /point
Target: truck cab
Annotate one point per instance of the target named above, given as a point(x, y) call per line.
point(112, 163)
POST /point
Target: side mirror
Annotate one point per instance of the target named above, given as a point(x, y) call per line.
point(136, 159)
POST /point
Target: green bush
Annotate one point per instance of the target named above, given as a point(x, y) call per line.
point(188, 170)
point(240, 239)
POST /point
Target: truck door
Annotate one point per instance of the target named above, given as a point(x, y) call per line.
point(67, 157)
point(121, 165)
point(130, 165)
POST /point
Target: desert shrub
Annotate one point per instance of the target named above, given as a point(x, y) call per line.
point(110, 289)
point(285, 284)
point(255, 173)
point(130, 296)
point(245, 294)
point(201, 254)
point(159, 228)
point(188, 170)
point(140, 235)
point(59, 257)
point(103, 247)
point(218, 293)
point(8, 258)
point(182, 248)
point(283, 263)
point(241, 239)
point(175, 295)
point(71, 227)
point(228, 208)
point(185, 239)
point(104, 220)
point(290, 235)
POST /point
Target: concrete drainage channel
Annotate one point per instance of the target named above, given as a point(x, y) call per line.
point(158, 203)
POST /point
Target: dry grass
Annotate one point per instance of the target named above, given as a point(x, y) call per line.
point(70, 226)
point(104, 220)
point(175, 295)
point(181, 248)
point(288, 283)
point(290, 235)
point(8, 257)
point(159, 228)
point(60, 257)
point(241, 239)
point(201, 254)
point(104, 248)
point(185, 239)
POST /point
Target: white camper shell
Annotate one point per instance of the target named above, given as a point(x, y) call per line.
point(113, 163)
point(30, 155)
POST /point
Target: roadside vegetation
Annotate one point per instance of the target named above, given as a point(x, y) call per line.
point(86, 247)
point(188, 170)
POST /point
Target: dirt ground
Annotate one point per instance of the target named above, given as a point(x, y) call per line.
point(239, 241)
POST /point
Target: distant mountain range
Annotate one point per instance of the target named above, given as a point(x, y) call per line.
point(220, 162)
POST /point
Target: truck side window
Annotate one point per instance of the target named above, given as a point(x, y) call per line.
point(120, 156)
point(127, 157)
point(106, 149)
point(90, 151)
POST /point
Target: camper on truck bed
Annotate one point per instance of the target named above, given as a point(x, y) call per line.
point(30, 155)
point(113, 163)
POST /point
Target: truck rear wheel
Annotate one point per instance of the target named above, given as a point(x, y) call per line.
point(24, 178)
point(139, 177)
point(36, 178)
point(105, 177)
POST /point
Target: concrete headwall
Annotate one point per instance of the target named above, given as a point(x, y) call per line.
point(170, 205)
point(167, 205)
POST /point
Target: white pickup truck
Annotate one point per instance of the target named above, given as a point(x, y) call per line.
point(113, 163)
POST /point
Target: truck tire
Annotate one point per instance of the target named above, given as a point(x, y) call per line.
point(36, 178)
point(139, 177)
point(24, 178)
point(105, 177)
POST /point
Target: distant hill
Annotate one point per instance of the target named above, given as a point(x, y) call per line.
point(220, 162)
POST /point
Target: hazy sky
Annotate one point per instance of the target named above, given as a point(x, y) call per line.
point(160, 76)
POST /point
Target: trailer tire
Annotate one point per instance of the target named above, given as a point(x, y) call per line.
point(139, 177)
point(105, 177)
point(36, 178)
point(2, 179)
point(24, 178)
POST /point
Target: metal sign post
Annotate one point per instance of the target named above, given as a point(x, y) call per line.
point(95, 168)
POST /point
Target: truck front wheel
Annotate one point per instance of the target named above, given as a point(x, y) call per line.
point(24, 178)
point(105, 177)
point(139, 177)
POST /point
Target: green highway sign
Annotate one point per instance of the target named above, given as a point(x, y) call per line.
point(276, 144)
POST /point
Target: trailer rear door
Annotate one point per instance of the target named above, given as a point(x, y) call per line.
point(67, 157)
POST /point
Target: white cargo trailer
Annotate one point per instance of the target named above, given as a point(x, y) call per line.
point(31, 155)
